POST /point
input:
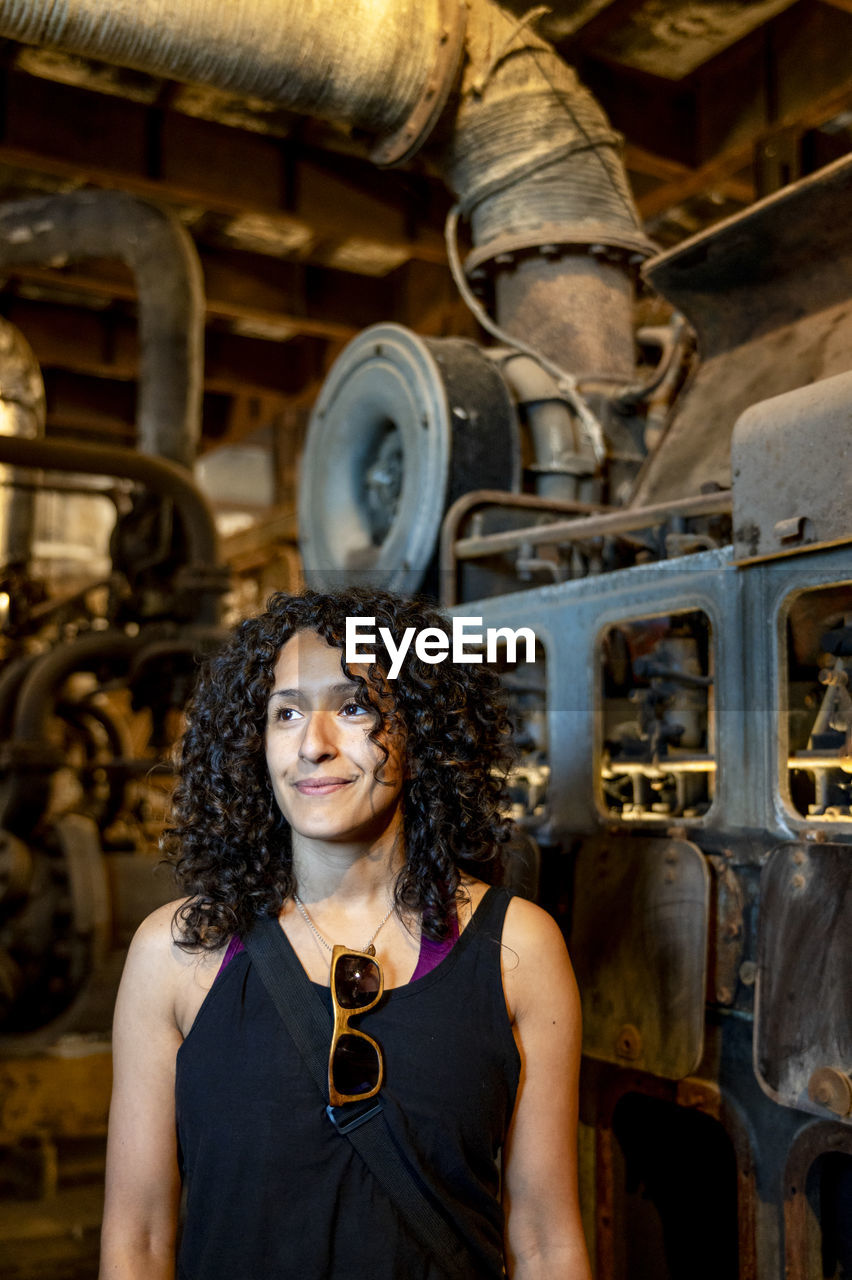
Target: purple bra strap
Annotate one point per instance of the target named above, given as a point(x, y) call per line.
point(432, 953)
point(234, 948)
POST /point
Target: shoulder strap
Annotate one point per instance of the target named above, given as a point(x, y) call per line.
point(307, 1022)
point(491, 911)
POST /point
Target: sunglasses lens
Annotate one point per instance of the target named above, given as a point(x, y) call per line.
point(356, 982)
point(355, 1065)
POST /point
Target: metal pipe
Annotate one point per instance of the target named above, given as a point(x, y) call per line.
point(165, 264)
point(575, 310)
point(597, 526)
point(157, 474)
point(29, 755)
point(538, 170)
point(563, 453)
point(528, 150)
point(532, 156)
point(497, 498)
point(379, 65)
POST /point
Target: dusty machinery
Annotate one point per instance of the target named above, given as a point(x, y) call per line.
point(110, 590)
point(685, 729)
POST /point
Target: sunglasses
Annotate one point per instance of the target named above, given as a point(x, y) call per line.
point(355, 1063)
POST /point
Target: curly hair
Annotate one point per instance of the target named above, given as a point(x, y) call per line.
point(229, 841)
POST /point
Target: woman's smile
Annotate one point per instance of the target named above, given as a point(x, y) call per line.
point(321, 786)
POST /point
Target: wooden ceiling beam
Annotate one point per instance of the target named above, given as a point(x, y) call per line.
point(715, 176)
point(720, 173)
point(283, 298)
point(75, 134)
point(104, 345)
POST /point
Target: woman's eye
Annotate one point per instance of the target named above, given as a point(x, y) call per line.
point(352, 709)
point(285, 713)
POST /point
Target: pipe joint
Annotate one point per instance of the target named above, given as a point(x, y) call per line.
point(162, 257)
point(533, 159)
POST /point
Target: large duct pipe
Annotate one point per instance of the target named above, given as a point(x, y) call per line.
point(528, 151)
point(162, 257)
point(539, 173)
point(379, 65)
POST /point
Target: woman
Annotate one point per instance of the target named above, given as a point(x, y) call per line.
point(330, 805)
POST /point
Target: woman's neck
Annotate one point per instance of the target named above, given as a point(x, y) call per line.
point(358, 875)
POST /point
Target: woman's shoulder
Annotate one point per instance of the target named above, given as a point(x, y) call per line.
point(156, 955)
point(165, 983)
point(529, 926)
point(536, 965)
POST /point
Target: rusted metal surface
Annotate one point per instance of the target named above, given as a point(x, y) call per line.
point(610, 1087)
point(804, 996)
point(597, 526)
point(791, 457)
point(65, 1093)
point(496, 498)
point(804, 1257)
point(769, 294)
point(831, 1089)
point(728, 930)
point(639, 944)
point(547, 300)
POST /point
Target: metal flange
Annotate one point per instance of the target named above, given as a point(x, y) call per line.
point(407, 140)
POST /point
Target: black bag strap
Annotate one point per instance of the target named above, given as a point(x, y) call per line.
point(307, 1022)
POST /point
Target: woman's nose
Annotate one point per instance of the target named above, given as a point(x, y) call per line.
point(318, 739)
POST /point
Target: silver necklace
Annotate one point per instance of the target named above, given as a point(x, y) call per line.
point(368, 949)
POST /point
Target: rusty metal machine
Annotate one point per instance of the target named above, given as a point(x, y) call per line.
point(685, 730)
point(109, 590)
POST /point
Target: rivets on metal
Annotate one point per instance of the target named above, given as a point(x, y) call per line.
point(628, 1043)
point(831, 1088)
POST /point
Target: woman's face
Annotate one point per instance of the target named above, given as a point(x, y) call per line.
point(331, 781)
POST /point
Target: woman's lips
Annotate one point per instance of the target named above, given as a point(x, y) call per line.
point(321, 786)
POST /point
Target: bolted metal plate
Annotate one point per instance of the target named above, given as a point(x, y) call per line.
point(791, 459)
point(803, 1020)
point(639, 947)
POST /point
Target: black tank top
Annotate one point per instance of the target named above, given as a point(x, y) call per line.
point(274, 1192)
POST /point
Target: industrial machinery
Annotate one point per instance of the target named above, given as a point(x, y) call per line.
point(684, 731)
point(675, 529)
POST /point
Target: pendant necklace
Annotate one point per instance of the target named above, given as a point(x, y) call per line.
point(368, 950)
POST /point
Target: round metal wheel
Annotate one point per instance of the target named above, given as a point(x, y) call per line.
point(402, 427)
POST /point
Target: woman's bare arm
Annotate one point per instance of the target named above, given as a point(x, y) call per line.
point(142, 1182)
point(544, 1234)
